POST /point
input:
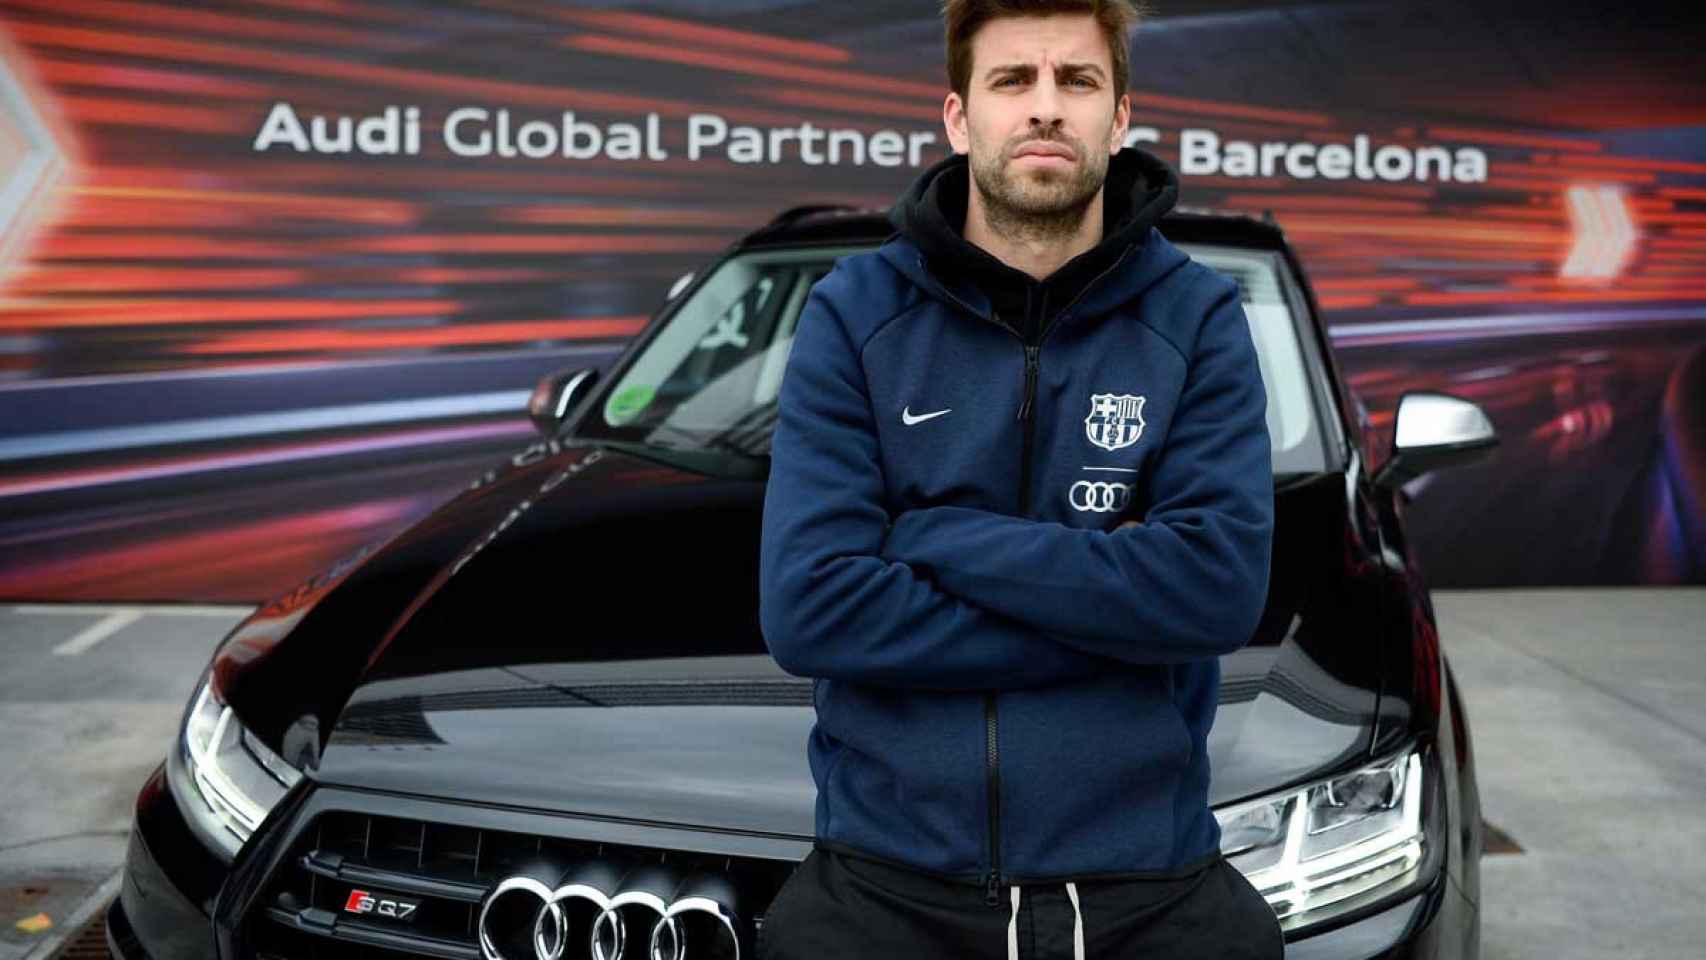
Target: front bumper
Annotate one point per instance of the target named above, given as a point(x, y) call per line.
point(1436, 923)
point(171, 883)
point(165, 902)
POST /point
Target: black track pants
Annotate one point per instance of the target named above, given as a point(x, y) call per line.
point(837, 906)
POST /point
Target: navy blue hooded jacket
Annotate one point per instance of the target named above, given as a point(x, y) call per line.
point(1008, 688)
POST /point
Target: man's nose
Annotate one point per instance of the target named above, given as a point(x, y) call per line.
point(1046, 106)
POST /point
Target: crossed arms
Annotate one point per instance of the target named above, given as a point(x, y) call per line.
point(952, 598)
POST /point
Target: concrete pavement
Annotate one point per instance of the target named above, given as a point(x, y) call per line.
point(88, 710)
point(1588, 710)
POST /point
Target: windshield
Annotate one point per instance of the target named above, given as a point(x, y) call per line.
point(708, 379)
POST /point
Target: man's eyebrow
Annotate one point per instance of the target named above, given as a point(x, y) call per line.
point(1082, 68)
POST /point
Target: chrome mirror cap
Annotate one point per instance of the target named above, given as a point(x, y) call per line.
point(1435, 431)
point(1438, 419)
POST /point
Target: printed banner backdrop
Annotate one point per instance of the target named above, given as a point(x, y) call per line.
point(276, 279)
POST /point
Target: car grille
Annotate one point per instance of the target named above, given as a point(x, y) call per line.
point(445, 871)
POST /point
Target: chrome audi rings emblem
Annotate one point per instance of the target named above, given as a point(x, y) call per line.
point(648, 915)
point(1100, 497)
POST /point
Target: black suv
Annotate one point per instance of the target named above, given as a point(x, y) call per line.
point(542, 722)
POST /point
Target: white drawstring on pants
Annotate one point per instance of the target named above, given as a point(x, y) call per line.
point(1077, 924)
point(1013, 927)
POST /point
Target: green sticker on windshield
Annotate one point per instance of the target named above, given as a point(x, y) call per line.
point(627, 403)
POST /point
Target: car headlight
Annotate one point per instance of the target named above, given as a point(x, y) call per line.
point(1326, 848)
point(223, 777)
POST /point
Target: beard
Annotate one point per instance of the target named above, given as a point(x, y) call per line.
point(1037, 203)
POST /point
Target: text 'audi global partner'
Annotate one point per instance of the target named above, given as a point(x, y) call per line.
point(542, 723)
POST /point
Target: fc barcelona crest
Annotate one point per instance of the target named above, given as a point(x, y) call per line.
point(1115, 420)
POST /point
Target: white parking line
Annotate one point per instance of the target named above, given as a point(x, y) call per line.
point(101, 630)
point(101, 609)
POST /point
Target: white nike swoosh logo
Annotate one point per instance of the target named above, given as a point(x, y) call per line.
point(907, 418)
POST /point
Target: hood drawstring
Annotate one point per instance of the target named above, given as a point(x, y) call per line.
point(1013, 927)
point(1077, 923)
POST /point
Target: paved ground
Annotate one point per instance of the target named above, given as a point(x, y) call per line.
point(89, 699)
point(1588, 710)
point(1589, 714)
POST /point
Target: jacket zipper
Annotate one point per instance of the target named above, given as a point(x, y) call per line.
point(992, 759)
point(992, 752)
point(1033, 354)
point(1027, 407)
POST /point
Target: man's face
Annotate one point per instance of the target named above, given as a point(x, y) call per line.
point(1039, 120)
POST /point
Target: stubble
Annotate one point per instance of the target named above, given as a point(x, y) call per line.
point(1037, 205)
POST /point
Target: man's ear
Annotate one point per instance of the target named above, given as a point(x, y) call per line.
point(954, 121)
point(1122, 122)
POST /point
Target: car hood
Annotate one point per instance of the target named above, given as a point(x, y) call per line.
point(579, 634)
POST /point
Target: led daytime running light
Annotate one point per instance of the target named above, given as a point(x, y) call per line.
point(1299, 887)
point(213, 741)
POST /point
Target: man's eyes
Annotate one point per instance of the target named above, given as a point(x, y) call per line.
point(1081, 81)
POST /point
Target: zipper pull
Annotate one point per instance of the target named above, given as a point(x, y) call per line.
point(992, 892)
point(1030, 383)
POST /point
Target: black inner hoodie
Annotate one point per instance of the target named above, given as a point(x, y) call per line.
point(1139, 189)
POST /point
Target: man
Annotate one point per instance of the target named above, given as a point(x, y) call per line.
point(1020, 501)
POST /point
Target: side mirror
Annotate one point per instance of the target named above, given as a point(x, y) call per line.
point(1435, 431)
point(557, 394)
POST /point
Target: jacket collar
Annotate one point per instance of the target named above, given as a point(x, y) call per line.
point(930, 217)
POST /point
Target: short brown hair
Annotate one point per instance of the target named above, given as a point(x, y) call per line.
point(963, 18)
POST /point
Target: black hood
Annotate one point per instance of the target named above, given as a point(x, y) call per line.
point(1140, 188)
point(579, 632)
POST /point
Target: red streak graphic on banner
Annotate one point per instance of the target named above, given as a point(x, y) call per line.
point(680, 31)
point(164, 116)
point(595, 43)
point(220, 562)
point(295, 206)
point(296, 64)
point(1634, 163)
point(178, 20)
point(1509, 138)
point(313, 339)
point(25, 314)
point(1569, 174)
point(850, 103)
point(1211, 108)
point(155, 80)
point(450, 243)
point(153, 469)
point(51, 279)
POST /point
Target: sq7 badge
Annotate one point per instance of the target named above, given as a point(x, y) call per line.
point(360, 901)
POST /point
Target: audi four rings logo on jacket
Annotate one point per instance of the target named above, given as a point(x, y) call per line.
point(1007, 633)
point(1099, 496)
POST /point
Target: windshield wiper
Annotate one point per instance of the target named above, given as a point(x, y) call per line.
point(728, 464)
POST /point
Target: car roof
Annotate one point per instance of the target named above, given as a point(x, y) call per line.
point(831, 224)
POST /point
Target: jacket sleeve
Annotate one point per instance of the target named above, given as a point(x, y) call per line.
point(1188, 583)
point(829, 605)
